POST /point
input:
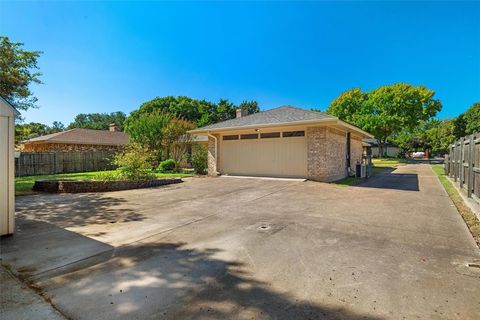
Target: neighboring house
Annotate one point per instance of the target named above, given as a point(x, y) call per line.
point(7, 167)
point(389, 149)
point(284, 142)
point(77, 140)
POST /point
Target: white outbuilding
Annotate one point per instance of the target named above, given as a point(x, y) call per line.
point(7, 167)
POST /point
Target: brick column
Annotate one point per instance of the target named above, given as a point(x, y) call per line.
point(212, 157)
point(316, 153)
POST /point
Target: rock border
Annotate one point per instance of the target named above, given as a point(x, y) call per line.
point(79, 186)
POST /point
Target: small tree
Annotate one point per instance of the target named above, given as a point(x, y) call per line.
point(148, 130)
point(176, 139)
point(134, 163)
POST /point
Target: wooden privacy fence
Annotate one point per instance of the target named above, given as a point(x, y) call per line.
point(29, 164)
point(462, 164)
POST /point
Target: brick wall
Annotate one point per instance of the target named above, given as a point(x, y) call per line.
point(212, 163)
point(336, 154)
point(316, 153)
point(356, 151)
point(326, 154)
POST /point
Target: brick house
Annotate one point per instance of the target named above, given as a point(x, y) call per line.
point(284, 142)
point(77, 140)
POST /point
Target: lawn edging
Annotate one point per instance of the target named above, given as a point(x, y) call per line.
point(79, 186)
point(458, 199)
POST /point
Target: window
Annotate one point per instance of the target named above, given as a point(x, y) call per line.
point(270, 135)
point(249, 136)
point(288, 134)
point(231, 137)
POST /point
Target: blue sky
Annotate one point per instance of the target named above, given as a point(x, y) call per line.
point(109, 56)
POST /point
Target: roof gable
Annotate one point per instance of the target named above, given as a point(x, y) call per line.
point(8, 105)
point(280, 115)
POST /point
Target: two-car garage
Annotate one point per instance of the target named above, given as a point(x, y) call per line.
point(274, 153)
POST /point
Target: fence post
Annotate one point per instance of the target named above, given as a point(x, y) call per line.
point(462, 160)
point(471, 163)
point(455, 158)
point(452, 160)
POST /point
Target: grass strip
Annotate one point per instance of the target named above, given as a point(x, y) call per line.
point(468, 216)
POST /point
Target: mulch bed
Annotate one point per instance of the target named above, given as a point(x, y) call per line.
point(77, 186)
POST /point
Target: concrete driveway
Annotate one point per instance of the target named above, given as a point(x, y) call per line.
point(230, 248)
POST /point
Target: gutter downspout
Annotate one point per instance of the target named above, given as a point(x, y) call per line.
point(216, 150)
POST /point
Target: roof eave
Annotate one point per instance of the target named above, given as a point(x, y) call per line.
point(332, 120)
point(267, 125)
point(354, 128)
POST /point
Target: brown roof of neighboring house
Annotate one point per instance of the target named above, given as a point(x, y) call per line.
point(84, 136)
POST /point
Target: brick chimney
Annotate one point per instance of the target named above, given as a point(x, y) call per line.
point(241, 113)
point(113, 127)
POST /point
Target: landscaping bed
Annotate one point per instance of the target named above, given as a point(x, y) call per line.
point(78, 186)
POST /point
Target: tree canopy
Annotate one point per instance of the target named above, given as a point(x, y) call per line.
point(98, 121)
point(468, 122)
point(160, 132)
point(199, 112)
point(17, 72)
point(388, 110)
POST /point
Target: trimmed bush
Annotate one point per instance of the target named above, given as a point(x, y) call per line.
point(134, 163)
point(199, 158)
point(167, 165)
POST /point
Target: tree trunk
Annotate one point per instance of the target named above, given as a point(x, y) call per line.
point(380, 148)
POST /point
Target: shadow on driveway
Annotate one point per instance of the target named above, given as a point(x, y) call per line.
point(76, 210)
point(389, 179)
point(148, 280)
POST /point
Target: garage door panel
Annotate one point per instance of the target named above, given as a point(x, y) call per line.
point(282, 157)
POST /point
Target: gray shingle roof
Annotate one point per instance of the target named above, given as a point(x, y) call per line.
point(278, 115)
point(84, 136)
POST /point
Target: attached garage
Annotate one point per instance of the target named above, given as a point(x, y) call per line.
point(7, 178)
point(284, 142)
point(272, 153)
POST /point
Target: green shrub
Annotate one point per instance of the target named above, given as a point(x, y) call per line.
point(167, 165)
point(199, 158)
point(134, 163)
point(108, 176)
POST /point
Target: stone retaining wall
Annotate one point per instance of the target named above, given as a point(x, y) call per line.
point(76, 186)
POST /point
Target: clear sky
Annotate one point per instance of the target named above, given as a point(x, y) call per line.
point(103, 57)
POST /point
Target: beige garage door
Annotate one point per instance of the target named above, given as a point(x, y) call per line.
point(275, 157)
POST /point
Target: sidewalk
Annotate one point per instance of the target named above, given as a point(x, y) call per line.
point(18, 301)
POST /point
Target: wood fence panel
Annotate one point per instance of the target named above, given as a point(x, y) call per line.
point(29, 164)
point(462, 164)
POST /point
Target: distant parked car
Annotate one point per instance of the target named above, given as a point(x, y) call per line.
point(418, 154)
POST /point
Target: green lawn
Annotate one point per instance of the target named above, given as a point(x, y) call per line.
point(379, 165)
point(467, 215)
point(23, 185)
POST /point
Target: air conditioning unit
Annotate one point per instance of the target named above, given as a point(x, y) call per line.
point(363, 171)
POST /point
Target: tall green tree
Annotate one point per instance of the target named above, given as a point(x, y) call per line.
point(350, 106)
point(250, 107)
point(57, 126)
point(470, 120)
point(98, 121)
point(18, 70)
point(386, 111)
point(200, 112)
